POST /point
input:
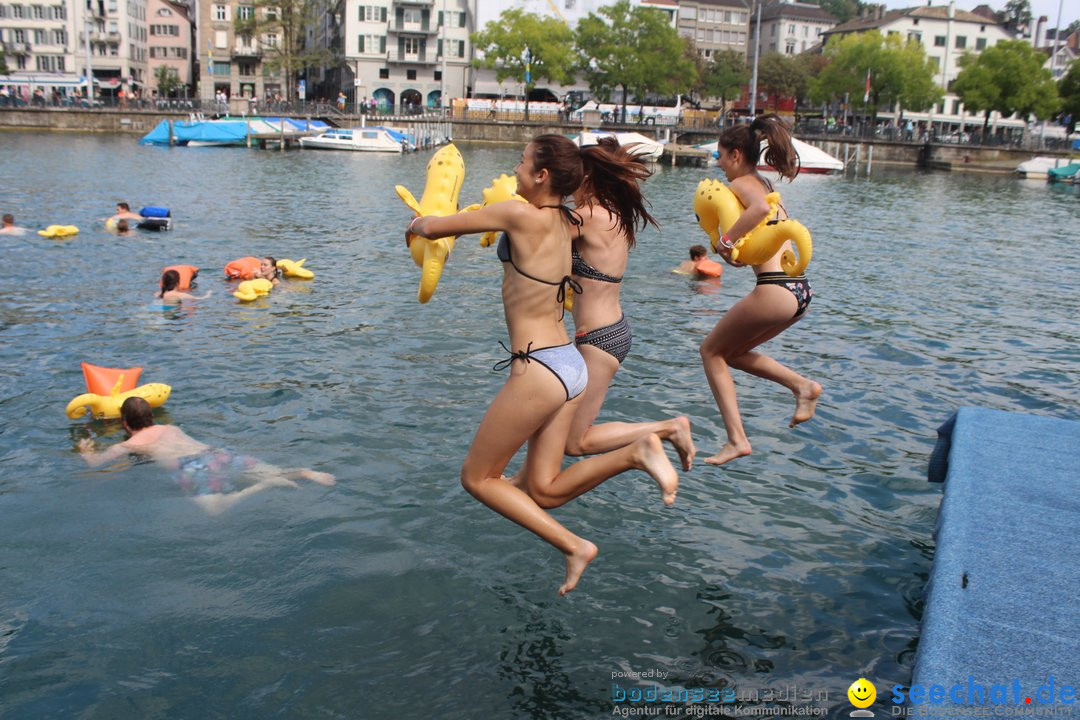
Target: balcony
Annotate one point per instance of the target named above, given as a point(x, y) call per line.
point(404, 58)
point(251, 51)
point(428, 28)
point(16, 48)
point(413, 3)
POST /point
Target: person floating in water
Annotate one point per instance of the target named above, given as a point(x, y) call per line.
point(777, 301)
point(9, 227)
point(216, 479)
point(170, 294)
point(699, 264)
point(123, 212)
point(547, 374)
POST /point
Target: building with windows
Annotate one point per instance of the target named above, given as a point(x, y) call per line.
point(35, 37)
point(235, 39)
point(946, 33)
point(715, 25)
point(170, 44)
point(792, 27)
point(118, 38)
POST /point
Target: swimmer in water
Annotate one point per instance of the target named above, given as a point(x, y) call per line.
point(169, 295)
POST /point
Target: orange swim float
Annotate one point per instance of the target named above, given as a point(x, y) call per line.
point(187, 274)
point(102, 380)
point(708, 268)
point(242, 268)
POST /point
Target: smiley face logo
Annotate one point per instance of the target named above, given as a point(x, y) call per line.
point(862, 693)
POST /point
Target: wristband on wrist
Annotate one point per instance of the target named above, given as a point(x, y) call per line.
point(411, 225)
point(726, 242)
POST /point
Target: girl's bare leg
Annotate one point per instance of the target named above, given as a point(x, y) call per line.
point(762, 314)
point(588, 439)
point(530, 397)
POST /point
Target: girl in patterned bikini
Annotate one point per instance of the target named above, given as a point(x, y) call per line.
point(547, 373)
point(602, 334)
point(777, 301)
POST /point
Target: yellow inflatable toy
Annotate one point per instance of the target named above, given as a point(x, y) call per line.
point(445, 173)
point(248, 290)
point(717, 209)
point(59, 231)
point(108, 406)
point(295, 269)
point(502, 188)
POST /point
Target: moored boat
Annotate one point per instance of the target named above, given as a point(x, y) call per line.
point(372, 138)
point(811, 159)
point(644, 148)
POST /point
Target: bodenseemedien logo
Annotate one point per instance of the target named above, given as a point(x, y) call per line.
point(862, 694)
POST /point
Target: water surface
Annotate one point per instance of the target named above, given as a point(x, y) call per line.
point(394, 594)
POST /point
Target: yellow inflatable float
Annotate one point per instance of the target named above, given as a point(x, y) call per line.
point(502, 188)
point(445, 173)
point(248, 290)
point(295, 269)
point(108, 405)
point(59, 231)
point(717, 209)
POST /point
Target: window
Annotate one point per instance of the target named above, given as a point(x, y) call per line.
point(980, 43)
point(961, 42)
point(221, 12)
point(939, 41)
point(411, 45)
point(59, 37)
point(384, 73)
point(245, 12)
point(461, 19)
point(59, 12)
point(410, 74)
point(412, 15)
point(372, 44)
point(246, 68)
point(372, 13)
point(789, 49)
point(221, 39)
point(220, 69)
point(17, 11)
point(37, 12)
point(39, 37)
point(773, 33)
point(569, 4)
point(701, 36)
point(685, 13)
point(791, 29)
point(270, 41)
point(916, 36)
point(18, 35)
point(955, 107)
point(438, 75)
point(3, 11)
point(164, 12)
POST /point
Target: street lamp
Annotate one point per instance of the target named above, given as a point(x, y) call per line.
point(442, 76)
point(757, 51)
point(89, 67)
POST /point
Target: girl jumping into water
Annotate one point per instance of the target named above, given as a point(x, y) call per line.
point(547, 373)
point(777, 301)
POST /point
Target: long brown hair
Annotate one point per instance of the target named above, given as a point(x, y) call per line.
point(747, 140)
point(608, 177)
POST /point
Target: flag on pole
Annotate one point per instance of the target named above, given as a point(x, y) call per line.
point(866, 95)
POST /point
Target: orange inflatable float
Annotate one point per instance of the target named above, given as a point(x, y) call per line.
point(242, 268)
point(187, 274)
point(102, 380)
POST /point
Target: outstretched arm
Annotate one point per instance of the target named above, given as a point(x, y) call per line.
point(97, 459)
point(509, 215)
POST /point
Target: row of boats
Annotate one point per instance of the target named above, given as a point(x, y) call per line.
point(1051, 169)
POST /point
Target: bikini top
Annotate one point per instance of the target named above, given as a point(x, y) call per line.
point(585, 270)
point(503, 251)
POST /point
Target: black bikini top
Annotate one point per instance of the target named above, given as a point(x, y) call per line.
point(585, 270)
point(503, 251)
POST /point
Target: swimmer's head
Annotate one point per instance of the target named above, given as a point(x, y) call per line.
point(9, 219)
point(268, 268)
point(170, 280)
point(122, 226)
point(136, 414)
point(123, 207)
point(697, 252)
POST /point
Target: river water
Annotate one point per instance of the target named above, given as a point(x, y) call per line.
point(394, 594)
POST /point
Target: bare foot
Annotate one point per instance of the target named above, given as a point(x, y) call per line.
point(683, 441)
point(805, 403)
point(728, 453)
point(576, 562)
point(649, 456)
point(318, 477)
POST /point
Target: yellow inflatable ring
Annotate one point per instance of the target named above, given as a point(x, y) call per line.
point(717, 209)
point(251, 289)
point(502, 188)
point(59, 231)
point(108, 406)
point(445, 173)
point(295, 269)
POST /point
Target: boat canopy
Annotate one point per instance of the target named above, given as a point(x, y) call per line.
point(218, 131)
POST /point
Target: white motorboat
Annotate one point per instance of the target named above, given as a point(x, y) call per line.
point(811, 159)
point(1038, 168)
point(645, 148)
point(372, 138)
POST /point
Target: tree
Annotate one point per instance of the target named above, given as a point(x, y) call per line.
point(1069, 90)
point(633, 48)
point(842, 10)
point(724, 76)
point(900, 72)
point(1009, 78)
point(526, 47)
point(1016, 15)
point(3, 65)
point(168, 80)
point(286, 21)
point(781, 75)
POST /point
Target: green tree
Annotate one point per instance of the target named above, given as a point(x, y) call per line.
point(1009, 78)
point(1017, 14)
point(782, 75)
point(3, 65)
point(724, 76)
point(633, 48)
point(526, 47)
point(1069, 90)
point(287, 21)
point(168, 81)
point(842, 10)
point(900, 72)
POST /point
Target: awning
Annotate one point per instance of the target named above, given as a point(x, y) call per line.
point(46, 80)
